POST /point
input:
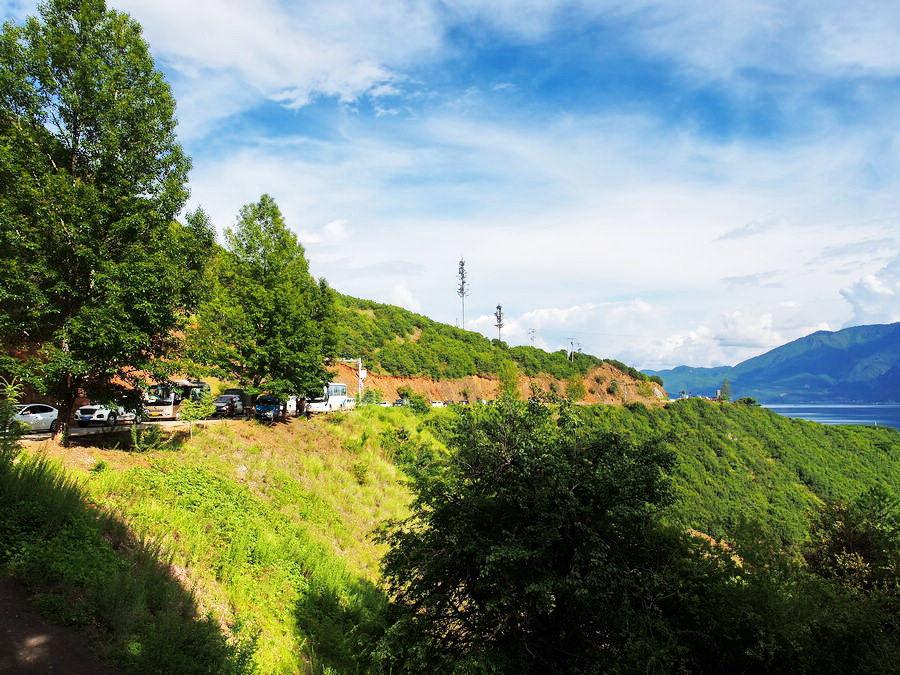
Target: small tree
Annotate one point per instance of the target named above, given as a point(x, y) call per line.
point(575, 390)
point(725, 391)
point(10, 429)
point(371, 397)
point(195, 409)
point(416, 402)
point(508, 373)
point(536, 549)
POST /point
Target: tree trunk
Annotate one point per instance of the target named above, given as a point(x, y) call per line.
point(67, 405)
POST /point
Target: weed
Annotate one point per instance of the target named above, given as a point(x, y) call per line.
point(361, 472)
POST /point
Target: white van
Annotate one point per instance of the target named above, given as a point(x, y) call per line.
point(334, 397)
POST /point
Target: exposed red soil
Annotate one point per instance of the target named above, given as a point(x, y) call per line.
point(596, 383)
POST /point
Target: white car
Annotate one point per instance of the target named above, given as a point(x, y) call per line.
point(38, 417)
point(105, 415)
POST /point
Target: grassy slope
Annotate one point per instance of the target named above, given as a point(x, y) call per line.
point(270, 526)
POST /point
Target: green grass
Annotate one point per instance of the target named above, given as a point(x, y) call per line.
point(260, 535)
point(87, 569)
point(269, 527)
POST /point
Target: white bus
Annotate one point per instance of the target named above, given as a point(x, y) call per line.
point(161, 402)
point(334, 397)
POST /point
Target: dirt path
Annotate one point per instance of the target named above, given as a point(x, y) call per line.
point(29, 644)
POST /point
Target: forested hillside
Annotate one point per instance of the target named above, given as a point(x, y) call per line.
point(858, 364)
point(744, 469)
point(395, 341)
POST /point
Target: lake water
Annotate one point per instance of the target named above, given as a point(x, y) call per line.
point(887, 415)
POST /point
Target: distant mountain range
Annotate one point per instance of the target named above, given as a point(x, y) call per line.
point(859, 364)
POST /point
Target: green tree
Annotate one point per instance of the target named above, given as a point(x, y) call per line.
point(266, 322)
point(725, 391)
point(195, 409)
point(508, 374)
point(535, 547)
point(94, 274)
point(575, 390)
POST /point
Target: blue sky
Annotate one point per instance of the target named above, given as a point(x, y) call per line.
point(666, 182)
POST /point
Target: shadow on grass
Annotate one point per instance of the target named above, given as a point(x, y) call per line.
point(142, 438)
point(85, 568)
point(344, 627)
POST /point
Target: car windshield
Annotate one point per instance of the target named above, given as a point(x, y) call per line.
point(267, 400)
point(223, 399)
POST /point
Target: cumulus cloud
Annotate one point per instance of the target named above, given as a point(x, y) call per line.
point(875, 298)
point(332, 233)
point(402, 295)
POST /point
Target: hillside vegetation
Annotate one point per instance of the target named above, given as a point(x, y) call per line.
point(395, 341)
point(858, 364)
point(742, 470)
point(269, 527)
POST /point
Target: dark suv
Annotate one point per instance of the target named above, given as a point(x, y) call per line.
point(269, 408)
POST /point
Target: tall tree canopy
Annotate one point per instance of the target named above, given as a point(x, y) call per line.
point(94, 273)
point(266, 323)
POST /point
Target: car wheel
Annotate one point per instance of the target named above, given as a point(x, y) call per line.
point(52, 428)
point(113, 418)
point(137, 420)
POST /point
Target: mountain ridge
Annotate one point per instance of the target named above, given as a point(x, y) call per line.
point(859, 364)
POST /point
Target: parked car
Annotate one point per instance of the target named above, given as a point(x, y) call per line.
point(269, 408)
point(240, 393)
point(37, 417)
point(383, 404)
point(105, 415)
point(437, 404)
point(228, 405)
point(400, 402)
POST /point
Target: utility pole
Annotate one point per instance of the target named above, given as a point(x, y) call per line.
point(571, 347)
point(531, 333)
point(462, 290)
point(499, 325)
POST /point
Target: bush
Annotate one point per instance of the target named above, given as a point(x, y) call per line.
point(416, 402)
point(371, 397)
point(575, 390)
point(534, 548)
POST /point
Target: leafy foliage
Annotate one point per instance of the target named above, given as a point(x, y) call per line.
point(400, 342)
point(266, 324)
point(94, 273)
point(745, 472)
point(544, 543)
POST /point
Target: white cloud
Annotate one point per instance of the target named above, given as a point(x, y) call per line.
point(331, 234)
point(875, 298)
point(403, 296)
